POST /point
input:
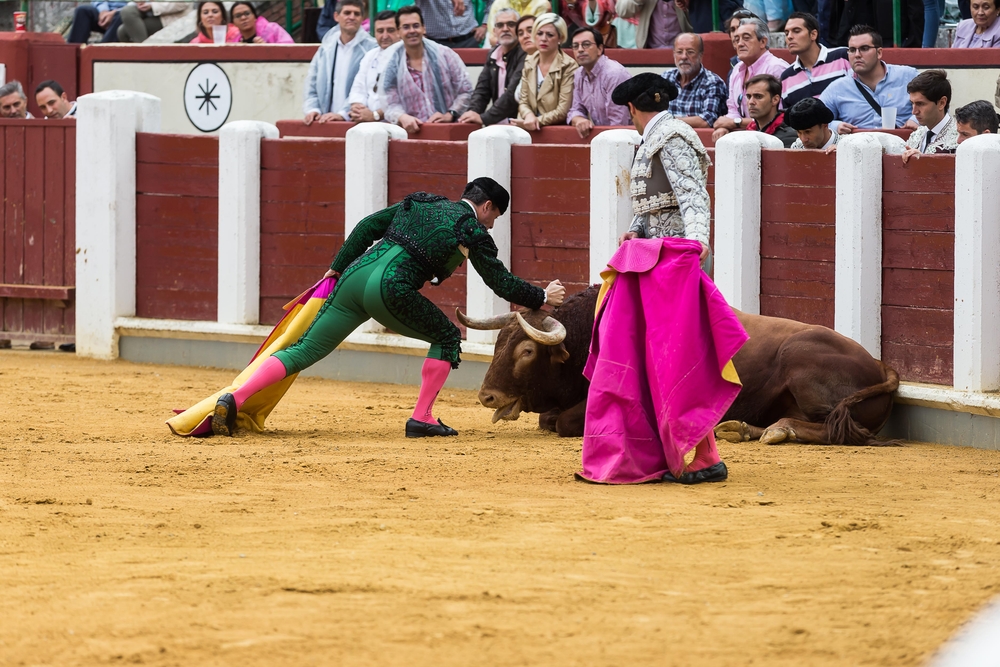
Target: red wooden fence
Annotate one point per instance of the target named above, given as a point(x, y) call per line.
point(918, 267)
point(177, 212)
point(37, 244)
point(301, 216)
point(797, 235)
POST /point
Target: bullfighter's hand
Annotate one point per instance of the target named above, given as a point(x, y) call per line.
point(331, 274)
point(704, 251)
point(627, 236)
point(830, 149)
point(555, 293)
point(910, 153)
point(845, 128)
point(310, 117)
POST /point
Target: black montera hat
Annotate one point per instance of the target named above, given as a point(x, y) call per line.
point(496, 192)
point(807, 113)
point(646, 91)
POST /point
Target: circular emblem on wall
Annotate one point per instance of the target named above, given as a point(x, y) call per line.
point(208, 97)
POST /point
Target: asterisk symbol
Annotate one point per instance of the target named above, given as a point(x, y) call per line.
point(206, 97)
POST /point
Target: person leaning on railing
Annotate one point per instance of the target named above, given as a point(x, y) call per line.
point(211, 14)
point(982, 30)
point(547, 77)
point(498, 79)
point(255, 29)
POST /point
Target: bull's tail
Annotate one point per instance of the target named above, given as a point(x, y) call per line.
point(843, 429)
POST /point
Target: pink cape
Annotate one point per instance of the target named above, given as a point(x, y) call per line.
point(660, 366)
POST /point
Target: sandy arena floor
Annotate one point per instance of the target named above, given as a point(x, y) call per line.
point(333, 540)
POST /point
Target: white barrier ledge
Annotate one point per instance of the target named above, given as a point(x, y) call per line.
point(977, 272)
point(611, 156)
point(737, 217)
point(489, 155)
point(239, 220)
point(948, 398)
point(105, 213)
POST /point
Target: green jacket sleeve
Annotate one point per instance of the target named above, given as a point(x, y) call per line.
point(367, 232)
point(483, 256)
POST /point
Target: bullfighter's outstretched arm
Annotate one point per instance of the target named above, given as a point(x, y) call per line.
point(683, 167)
point(367, 232)
point(483, 256)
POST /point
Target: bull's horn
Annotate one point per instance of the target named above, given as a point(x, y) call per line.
point(552, 332)
point(495, 322)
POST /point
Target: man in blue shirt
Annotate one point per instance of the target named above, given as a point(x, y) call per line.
point(97, 16)
point(856, 100)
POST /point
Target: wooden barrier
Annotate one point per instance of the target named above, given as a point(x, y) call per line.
point(918, 260)
point(177, 182)
point(301, 216)
point(797, 235)
point(37, 243)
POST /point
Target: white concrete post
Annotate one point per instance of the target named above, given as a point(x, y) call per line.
point(239, 220)
point(106, 124)
point(737, 217)
point(858, 274)
point(611, 156)
point(977, 272)
point(489, 155)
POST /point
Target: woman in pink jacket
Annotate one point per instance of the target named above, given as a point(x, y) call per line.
point(212, 14)
point(256, 29)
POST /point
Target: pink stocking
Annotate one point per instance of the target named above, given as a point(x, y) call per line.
point(432, 378)
point(270, 372)
point(706, 454)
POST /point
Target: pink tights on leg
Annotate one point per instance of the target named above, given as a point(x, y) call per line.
point(270, 372)
point(432, 378)
point(706, 454)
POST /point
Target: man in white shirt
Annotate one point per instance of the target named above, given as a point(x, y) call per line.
point(930, 95)
point(335, 65)
point(364, 97)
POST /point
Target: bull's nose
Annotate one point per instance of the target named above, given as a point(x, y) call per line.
point(487, 399)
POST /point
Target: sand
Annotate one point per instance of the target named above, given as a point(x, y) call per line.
point(333, 540)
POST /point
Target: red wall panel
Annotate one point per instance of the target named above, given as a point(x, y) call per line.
point(918, 267)
point(177, 207)
point(797, 235)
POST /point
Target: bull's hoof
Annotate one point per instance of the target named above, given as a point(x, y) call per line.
point(776, 435)
point(732, 431)
point(547, 421)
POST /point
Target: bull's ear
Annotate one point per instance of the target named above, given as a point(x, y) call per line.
point(559, 354)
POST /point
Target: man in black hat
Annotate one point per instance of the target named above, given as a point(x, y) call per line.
point(423, 238)
point(810, 118)
point(670, 169)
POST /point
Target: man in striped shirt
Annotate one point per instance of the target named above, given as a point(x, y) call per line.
point(815, 66)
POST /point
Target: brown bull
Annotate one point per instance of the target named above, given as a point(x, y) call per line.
point(800, 381)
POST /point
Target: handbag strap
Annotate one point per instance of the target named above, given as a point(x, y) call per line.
point(869, 98)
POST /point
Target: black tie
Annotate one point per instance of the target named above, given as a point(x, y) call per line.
point(930, 137)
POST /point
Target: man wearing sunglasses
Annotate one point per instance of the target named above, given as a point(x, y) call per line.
point(857, 100)
point(499, 76)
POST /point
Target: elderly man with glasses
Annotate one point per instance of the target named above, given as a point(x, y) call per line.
point(500, 75)
point(593, 83)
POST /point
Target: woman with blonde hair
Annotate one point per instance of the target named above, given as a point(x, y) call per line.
point(547, 77)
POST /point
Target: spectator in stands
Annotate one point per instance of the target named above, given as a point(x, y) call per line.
point(751, 40)
point(51, 99)
point(982, 30)
point(763, 95)
point(102, 17)
point(811, 121)
point(498, 79)
point(13, 101)
point(424, 81)
point(930, 96)
point(452, 23)
point(364, 97)
point(593, 83)
point(815, 66)
point(525, 30)
point(857, 100)
point(520, 7)
point(658, 24)
point(142, 19)
point(335, 66)
point(255, 29)
point(702, 93)
point(731, 24)
point(973, 119)
point(547, 77)
point(213, 14)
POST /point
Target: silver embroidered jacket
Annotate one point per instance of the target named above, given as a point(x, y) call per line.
point(669, 174)
point(945, 141)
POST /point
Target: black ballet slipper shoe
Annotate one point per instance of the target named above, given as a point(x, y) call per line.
point(224, 417)
point(419, 429)
point(716, 473)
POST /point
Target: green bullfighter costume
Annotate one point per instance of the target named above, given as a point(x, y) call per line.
point(423, 238)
